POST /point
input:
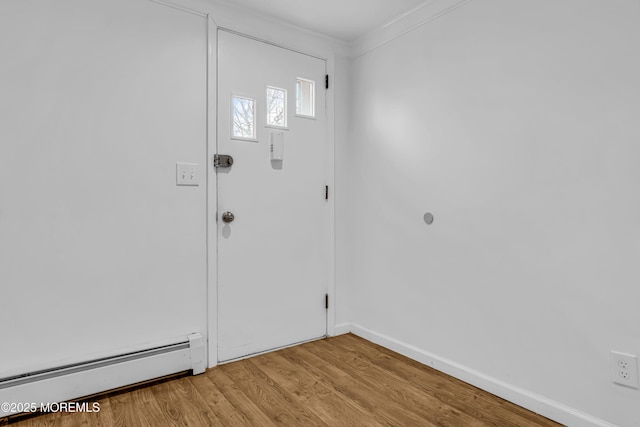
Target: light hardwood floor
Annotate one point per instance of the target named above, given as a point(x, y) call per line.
point(340, 381)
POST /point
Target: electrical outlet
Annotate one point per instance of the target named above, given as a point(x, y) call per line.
point(624, 369)
point(187, 174)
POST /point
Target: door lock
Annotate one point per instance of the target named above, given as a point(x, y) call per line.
point(222, 161)
point(228, 217)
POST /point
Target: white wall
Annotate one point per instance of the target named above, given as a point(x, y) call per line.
point(114, 92)
point(516, 124)
point(99, 250)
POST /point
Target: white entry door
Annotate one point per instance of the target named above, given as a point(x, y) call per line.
point(273, 255)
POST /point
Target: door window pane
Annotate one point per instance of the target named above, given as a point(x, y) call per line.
point(305, 94)
point(276, 107)
point(244, 117)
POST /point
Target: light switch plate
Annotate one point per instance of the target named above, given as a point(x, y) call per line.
point(187, 174)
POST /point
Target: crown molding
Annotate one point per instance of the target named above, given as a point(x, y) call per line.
point(196, 7)
point(229, 16)
point(403, 24)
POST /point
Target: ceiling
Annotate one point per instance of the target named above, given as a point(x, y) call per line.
point(344, 20)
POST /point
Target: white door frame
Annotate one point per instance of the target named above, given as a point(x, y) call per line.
point(212, 193)
point(212, 198)
point(281, 36)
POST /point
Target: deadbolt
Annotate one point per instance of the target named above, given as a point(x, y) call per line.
point(228, 217)
point(222, 161)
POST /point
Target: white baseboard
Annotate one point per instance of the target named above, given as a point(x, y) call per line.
point(539, 404)
point(341, 329)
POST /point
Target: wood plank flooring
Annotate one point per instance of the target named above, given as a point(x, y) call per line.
point(340, 381)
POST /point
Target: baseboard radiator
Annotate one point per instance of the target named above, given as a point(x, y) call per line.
point(78, 380)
